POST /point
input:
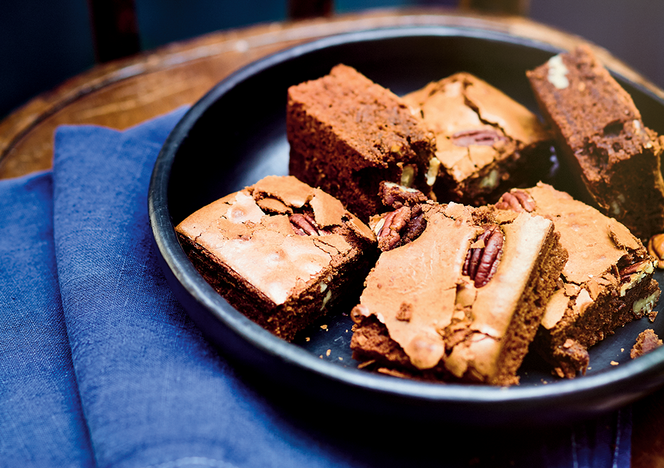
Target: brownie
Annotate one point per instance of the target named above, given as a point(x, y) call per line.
point(485, 141)
point(602, 136)
point(646, 342)
point(347, 134)
point(606, 283)
point(460, 302)
point(279, 251)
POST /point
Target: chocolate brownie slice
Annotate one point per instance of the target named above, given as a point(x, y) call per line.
point(460, 302)
point(600, 131)
point(279, 251)
point(347, 134)
point(485, 141)
point(606, 283)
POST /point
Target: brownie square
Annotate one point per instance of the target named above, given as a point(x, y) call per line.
point(460, 302)
point(606, 283)
point(347, 134)
point(279, 251)
point(604, 140)
point(485, 141)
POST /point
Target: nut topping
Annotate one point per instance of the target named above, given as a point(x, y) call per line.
point(656, 249)
point(304, 225)
point(400, 227)
point(517, 200)
point(486, 137)
point(482, 261)
point(396, 196)
point(629, 270)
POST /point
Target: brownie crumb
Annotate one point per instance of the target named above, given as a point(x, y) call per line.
point(646, 341)
point(405, 312)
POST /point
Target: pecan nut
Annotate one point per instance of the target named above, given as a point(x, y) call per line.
point(656, 249)
point(486, 137)
point(400, 227)
point(396, 196)
point(516, 200)
point(304, 225)
point(482, 261)
point(628, 271)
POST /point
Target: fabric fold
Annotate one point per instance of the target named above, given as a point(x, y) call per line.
point(41, 423)
point(153, 392)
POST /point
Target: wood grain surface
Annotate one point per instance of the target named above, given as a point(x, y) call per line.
point(126, 92)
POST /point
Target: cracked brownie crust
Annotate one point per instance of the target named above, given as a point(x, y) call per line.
point(602, 135)
point(606, 283)
point(279, 251)
point(347, 134)
point(421, 316)
point(485, 141)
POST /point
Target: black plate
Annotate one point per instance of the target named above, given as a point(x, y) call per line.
point(236, 134)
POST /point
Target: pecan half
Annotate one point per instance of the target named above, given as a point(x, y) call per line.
point(482, 261)
point(516, 200)
point(400, 227)
point(396, 196)
point(629, 270)
point(304, 225)
point(656, 249)
point(486, 137)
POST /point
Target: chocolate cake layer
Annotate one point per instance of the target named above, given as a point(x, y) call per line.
point(602, 135)
point(462, 301)
point(279, 251)
point(485, 141)
point(606, 283)
point(347, 134)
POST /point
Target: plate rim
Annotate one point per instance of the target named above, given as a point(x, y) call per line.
point(647, 367)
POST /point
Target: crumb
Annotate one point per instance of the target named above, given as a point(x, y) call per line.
point(364, 364)
point(646, 341)
point(328, 352)
point(622, 350)
point(323, 327)
point(614, 363)
point(340, 358)
point(307, 339)
point(392, 372)
point(405, 312)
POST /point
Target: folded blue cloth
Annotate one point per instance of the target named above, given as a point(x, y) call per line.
point(100, 365)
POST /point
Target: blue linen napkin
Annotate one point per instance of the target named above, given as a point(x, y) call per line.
point(131, 382)
point(41, 422)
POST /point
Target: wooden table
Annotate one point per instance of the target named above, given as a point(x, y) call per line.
point(126, 92)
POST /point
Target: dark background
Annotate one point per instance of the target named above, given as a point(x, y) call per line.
point(44, 42)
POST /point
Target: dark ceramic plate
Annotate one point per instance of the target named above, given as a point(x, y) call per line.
point(236, 134)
